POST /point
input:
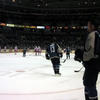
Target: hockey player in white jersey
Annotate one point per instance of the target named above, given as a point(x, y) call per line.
point(5, 49)
point(39, 50)
point(16, 50)
point(36, 51)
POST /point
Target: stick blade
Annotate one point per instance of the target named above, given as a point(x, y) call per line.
point(76, 71)
point(64, 61)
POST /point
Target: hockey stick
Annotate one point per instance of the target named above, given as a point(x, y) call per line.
point(64, 60)
point(79, 70)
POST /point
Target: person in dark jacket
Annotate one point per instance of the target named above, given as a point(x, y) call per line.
point(24, 52)
point(67, 51)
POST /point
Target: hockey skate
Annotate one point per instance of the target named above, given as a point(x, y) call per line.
point(58, 75)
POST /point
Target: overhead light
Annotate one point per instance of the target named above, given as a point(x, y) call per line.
point(40, 27)
point(10, 25)
point(73, 27)
point(2, 24)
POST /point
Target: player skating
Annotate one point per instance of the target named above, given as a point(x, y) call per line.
point(16, 50)
point(24, 52)
point(54, 52)
point(67, 51)
point(5, 49)
point(39, 50)
point(36, 50)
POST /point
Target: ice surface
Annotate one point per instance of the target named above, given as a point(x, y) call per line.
point(32, 78)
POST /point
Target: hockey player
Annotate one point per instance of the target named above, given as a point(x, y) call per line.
point(54, 52)
point(15, 49)
point(39, 50)
point(24, 52)
point(5, 49)
point(67, 51)
point(36, 51)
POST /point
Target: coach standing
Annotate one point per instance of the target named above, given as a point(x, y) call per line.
point(91, 62)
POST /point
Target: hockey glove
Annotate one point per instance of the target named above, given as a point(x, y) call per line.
point(60, 55)
point(78, 55)
point(47, 56)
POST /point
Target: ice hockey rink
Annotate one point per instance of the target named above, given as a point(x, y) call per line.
point(32, 78)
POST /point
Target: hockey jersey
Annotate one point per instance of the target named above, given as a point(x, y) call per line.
point(54, 51)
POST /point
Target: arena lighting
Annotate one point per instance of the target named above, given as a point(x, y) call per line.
point(40, 27)
point(44, 27)
point(10, 25)
point(85, 27)
point(2, 24)
point(58, 27)
point(27, 26)
point(66, 27)
point(73, 27)
point(47, 27)
point(20, 26)
point(32, 26)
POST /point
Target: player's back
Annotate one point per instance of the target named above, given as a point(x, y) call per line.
point(52, 50)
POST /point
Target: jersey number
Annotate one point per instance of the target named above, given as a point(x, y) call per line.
point(52, 48)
